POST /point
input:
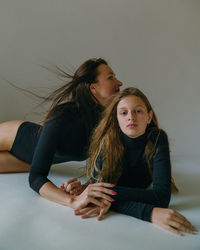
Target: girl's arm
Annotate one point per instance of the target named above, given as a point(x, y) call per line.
point(166, 218)
point(160, 194)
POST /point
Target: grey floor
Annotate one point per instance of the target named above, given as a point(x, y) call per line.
point(27, 221)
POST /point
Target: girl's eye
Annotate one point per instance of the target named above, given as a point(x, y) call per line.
point(123, 113)
point(138, 111)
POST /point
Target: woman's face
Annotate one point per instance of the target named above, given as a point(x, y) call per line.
point(106, 85)
point(132, 116)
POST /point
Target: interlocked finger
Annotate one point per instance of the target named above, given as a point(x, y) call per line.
point(98, 194)
point(98, 188)
point(73, 185)
point(101, 214)
point(93, 212)
point(83, 210)
point(96, 202)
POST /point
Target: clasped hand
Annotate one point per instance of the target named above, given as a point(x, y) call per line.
point(89, 200)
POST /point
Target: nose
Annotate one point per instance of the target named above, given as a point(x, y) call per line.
point(131, 116)
point(119, 84)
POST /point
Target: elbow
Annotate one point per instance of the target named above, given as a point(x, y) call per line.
point(31, 180)
point(36, 181)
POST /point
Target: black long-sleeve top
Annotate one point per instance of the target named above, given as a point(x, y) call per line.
point(65, 138)
point(134, 196)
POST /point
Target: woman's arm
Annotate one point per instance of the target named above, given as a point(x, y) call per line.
point(73, 186)
point(42, 160)
point(44, 153)
point(96, 194)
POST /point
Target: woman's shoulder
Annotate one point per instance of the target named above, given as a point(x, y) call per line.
point(68, 106)
point(65, 108)
point(75, 107)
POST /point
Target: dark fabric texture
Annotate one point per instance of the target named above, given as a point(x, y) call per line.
point(134, 197)
point(63, 139)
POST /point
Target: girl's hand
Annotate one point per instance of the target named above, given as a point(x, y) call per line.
point(93, 210)
point(95, 194)
point(172, 221)
point(72, 186)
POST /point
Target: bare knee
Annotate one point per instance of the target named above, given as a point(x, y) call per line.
point(8, 131)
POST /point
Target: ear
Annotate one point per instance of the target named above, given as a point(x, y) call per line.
point(150, 116)
point(92, 88)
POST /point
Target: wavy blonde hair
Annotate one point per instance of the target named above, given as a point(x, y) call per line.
point(106, 141)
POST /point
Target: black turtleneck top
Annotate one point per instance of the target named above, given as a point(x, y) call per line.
point(134, 196)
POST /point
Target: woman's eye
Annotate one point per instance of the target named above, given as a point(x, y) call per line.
point(112, 78)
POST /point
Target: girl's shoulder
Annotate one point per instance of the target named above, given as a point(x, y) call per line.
point(159, 136)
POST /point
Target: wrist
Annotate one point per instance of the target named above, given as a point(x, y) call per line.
point(72, 202)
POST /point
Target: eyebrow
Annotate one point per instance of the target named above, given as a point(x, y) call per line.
point(135, 107)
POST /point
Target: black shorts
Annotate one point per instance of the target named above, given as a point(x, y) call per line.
point(25, 141)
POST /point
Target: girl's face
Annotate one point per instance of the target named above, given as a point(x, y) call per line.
point(132, 116)
point(106, 85)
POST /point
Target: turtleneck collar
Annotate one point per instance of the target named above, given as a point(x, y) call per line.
point(134, 143)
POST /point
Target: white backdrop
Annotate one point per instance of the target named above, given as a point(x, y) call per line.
point(151, 44)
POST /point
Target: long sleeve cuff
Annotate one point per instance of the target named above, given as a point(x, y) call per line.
point(135, 209)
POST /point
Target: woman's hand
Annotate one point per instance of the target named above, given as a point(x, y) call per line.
point(172, 221)
point(73, 186)
point(94, 193)
point(93, 210)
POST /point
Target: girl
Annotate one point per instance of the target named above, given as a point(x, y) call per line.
point(129, 150)
point(64, 136)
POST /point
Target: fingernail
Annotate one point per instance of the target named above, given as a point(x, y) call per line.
point(111, 199)
point(113, 192)
point(113, 185)
point(105, 205)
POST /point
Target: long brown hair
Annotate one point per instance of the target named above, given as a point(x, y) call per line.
point(77, 90)
point(106, 140)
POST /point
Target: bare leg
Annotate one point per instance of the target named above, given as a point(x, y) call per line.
point(8, 162)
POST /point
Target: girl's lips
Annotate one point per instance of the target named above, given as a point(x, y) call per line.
point(132, 125)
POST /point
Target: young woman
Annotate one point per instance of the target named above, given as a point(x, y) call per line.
point(129, 150)
point(65, 134)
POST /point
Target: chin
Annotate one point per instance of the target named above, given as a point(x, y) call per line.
point(131, 135)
